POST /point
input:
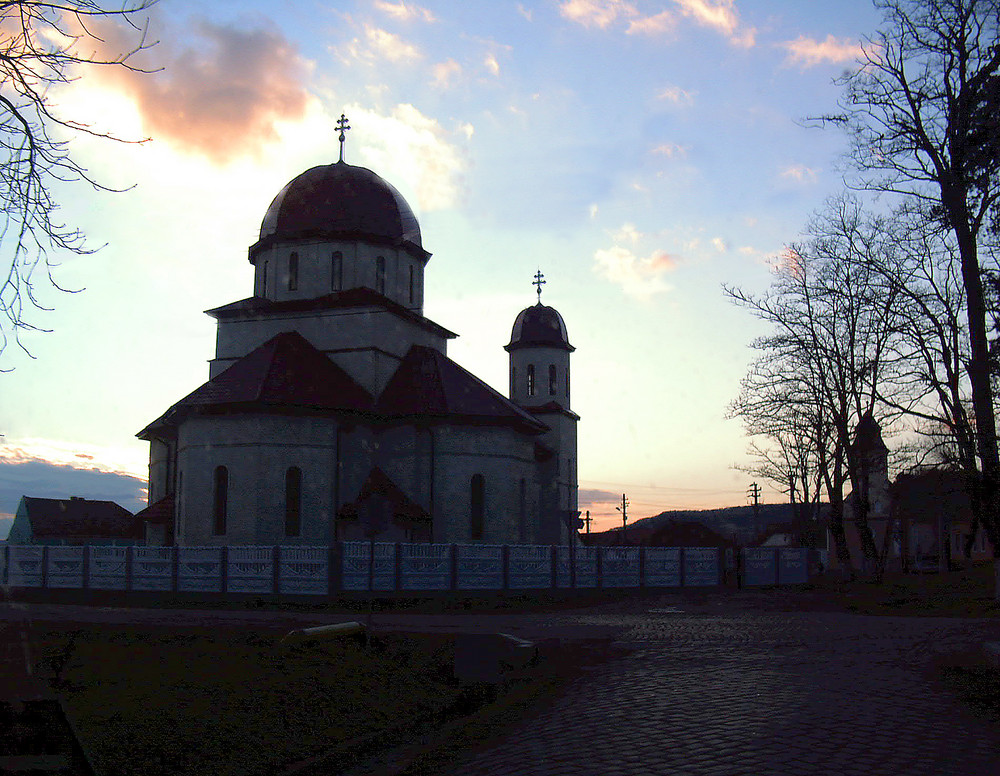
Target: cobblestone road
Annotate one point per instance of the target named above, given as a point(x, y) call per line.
point(765, 693)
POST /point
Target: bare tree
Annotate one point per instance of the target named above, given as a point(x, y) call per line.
point(44, 45)
point(922, 112)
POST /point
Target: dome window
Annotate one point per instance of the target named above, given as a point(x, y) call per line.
point(380, 274)
point(293, 271)
point(413, 296)
point(531, 379)
point(552, 379)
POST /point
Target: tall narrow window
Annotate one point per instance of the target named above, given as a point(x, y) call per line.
point(293, 501)
point(531, 379)
point(293, 271)
point(263, 285)
point(477, 506)
point(220, 500)
point(567, 381)
point(513, 381)
point(413, 294)
point(337, 271)
point(380, 274)
point(552, 379)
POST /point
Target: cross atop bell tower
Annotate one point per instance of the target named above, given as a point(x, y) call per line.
point(538, 282)
point(343, 126)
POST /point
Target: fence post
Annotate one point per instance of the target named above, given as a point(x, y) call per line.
point(505, 560)
point(454, 567)
point(45, 566)
point(276, 569)
point(398, 577)
point(680, 566)
point(224, 568)
point(335, 568)
point(128, 568)
point(175, 568)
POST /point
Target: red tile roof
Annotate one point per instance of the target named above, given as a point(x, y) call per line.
point(79, 518)
point(428, 383)
point(286, 371)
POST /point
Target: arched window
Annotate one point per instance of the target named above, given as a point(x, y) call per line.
point(477, 505)
point(380, 274)
point(220, 500)
point(293, 501)
point(336, 271)
point(293, 271)
point(263, 283)
point(531, 379)
point(552, 379)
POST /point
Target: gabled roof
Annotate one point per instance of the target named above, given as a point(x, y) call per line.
point(352, 297)
point(285, 371)
point(428, 383)
point(378, 483)
point(159, 512)
point(78, 518)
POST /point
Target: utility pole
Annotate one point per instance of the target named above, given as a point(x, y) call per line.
point(587, 521)
point(754, 492)
point(624, 510)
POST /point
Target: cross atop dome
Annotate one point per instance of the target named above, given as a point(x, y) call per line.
point(343, 126)
point(538, 282)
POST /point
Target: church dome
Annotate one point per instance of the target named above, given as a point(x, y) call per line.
point(337, 201)
point(539, 326)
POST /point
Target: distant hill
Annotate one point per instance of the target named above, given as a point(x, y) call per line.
point(735, 523)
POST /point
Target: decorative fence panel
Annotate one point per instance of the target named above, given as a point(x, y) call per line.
point(701, 566)
point(662, 567)
point(107, 568)
point(199, 569)
point(793, 565)
point(25, 569)
point(64, 567)
point(250, 570)
point(153, 567)
point(359, 568)
point(304, 570)
point(529, 566)
point(425, 566)
point(759, 566)
point(479, 566)
point(620, 566)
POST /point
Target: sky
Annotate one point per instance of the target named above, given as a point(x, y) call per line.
point(640, 154)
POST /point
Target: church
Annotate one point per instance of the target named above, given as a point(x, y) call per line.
point(332, 411)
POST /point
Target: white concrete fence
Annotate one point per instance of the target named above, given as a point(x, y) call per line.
point(350, 566)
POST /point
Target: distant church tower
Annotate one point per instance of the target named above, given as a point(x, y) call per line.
point(872, 457)
point(540, 383)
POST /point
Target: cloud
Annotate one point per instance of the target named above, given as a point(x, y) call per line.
point(808, 52)
point(418, 150)
point(720, 15)
point(588, 498)
point(491, 64)
point(45, 479)
point(677, 96)
point(662, 23)
point(671, 151)
point(223, 96)
point(445, 72)
point(389, 46)
point(640, 277)
point(799, 173)
point(525, 12)
point(404, 12)
point(596, 13)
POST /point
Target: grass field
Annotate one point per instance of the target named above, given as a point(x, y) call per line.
point(155, 702)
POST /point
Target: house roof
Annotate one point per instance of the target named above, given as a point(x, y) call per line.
point(353, 297)
point(924, 496)
point(429, 384)
point(78, 518)
point(158, 513)
point(285, 371)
